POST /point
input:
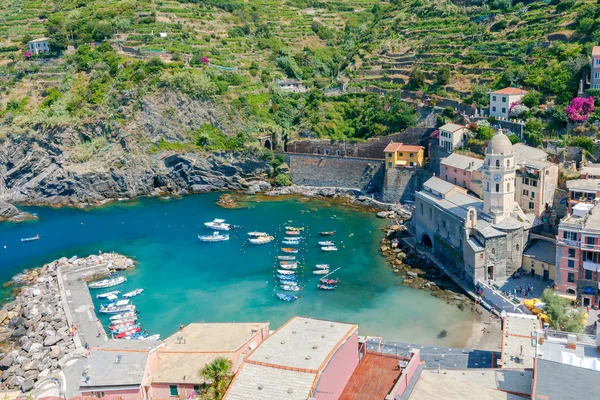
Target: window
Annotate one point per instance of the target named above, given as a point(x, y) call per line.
point(464, 183)
point(493, 250)
point(494, 108)
point(508, 187)
point(503, 110)
point(525, 181)
point(464, 173)
point(589, 240)
point(508, 163)
point(525, 192)
point(597, 75)
point(497, 163)
point(389, 154)
point(430, 213)
point(543, 266)
point(444, 224)
point(196, 388)
point(493, 98)
point(412, 164)
point(588, 274)
point(531, 205)
point(570, 235)
point(503, 99)
point(571, 263)
point(400, 154)
point(571, 277)
point(412, 154)
point(597, 61)
point(421, 208)
point(533, 183)
point(533, 195)
point(98, 394)
point(454, 169)
point(173, 390)
point(532, 263)
point(571, 253)
point(389, 164)
point(497, 188)
point(487, 186)
point(446, 167)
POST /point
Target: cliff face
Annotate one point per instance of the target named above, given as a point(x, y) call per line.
point(45, 166)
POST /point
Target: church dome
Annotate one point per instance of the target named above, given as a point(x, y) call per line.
point(500, 145)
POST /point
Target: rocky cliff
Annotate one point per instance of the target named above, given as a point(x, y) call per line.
point(95, 161)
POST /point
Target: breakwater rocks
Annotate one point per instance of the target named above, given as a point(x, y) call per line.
point(418, 272)
point(8, 212)
point(34, 328)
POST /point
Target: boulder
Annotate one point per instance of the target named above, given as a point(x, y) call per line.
point(52, 340)
point(16, 321)
point(27, 345)
point(3, 314)
point(382, 214)
point(55, 352)
point(14, 382)
point(412, 274)
point(27, 385)
point(35, 348)
point(17, 333)
point(33, 365)
point(7, 362)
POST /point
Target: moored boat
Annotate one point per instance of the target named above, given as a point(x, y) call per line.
point(292, 233)
point(288, 262)
point(322, 266)
point(292, 228)
point(329, 248)
point(117, 309)
point(31, 239)
point(123, 316)
point(290, 288)
point(152, 338)
point(108, 294)
point(215, 237)
point(133, 293)
point(219, 225)
point(286, 277)
point(327, 243)
point(290, 266)
point(289, 283)
point(327, 287)
point(290, 242)
point(327, 233)
point(286, 297)
point(286, 258)
point(121, 325)
point(129, 332)
point(289, 250)
point(261, 240)
point(123, 320)
point(125, 328)
point(295, 238)
point(284, 272)
point(257, 234)
point(329, 281)
point(116, 303)
point(107, 283)
point(320, 271)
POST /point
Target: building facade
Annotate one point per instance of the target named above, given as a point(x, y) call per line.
point(536, 183)
point(501, 101)
point(402, 155)
point(463, 171)
point(586, 191)
point(452, 136)
point(595, 75)
point(539, 260)
point(38, 46)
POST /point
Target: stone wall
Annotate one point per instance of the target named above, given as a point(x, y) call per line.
point(400, 184)
point(363, 174)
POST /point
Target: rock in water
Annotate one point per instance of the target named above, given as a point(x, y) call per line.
point(227, 201)
point(8, 212)
point(442, 334)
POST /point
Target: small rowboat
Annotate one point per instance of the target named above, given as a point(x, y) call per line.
point(108, 294)
point(128, 332)
point(295, 238)
point(327, 243)
point(262, 240)
point(286, 277)
point(329, 248)
point(327, 287)
point(286, 297)
point(289, 283)
point(133, 293)
point(31, 239)
point(121, 325)
point(291, 242)
point(117, 309)
point(215, 237)
point(290, 288)
point(289, 250)
point(123, 321)
point(123, 316)
point(322, 266)
point(287, 258)
point(284, 272)
point(320, 271)
point(291, 228)
point(329, 281)
point(152, 338)
point(257, 234)
point(107, 283)
point(329, 233)
point(292, 266)
point(292, 233)
point(282, 263)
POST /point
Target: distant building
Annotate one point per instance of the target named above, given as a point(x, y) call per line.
point(186, 352)
point(583, 191)
point(403, 155)
point(502, 100)
point(590, 171)
point(290, 85)
point(38, 46)
point(453, 136)
point(578, 253)
point(595, 76)
point(541, 259)
point(464, 171)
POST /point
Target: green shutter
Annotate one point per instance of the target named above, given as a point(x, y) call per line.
point(173, 389)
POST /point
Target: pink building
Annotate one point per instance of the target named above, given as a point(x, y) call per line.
point(304, 358)
point(585, 190)
point(178, 363)
point(463, 171)
point(578, 253)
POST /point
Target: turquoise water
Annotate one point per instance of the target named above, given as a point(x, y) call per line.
point(188, 281)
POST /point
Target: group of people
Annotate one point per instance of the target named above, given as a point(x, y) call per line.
point(528, 289)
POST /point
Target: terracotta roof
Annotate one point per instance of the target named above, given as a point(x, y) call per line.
point(510, 90)
point(596, 51)
point(392, 147)
point(406, 147)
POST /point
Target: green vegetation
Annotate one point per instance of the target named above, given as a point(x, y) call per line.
point(562, 316)
point(218, 375)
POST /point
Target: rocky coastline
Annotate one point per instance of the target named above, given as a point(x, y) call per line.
point(35, 329)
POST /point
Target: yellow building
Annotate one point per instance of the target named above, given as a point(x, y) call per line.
point(541, 259)
point(402, 155)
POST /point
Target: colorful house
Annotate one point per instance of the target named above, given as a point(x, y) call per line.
point(595, 75)
point(539, 259)
point(463, 171)
point(452, 136)
point(403, 155)
point(501, 101)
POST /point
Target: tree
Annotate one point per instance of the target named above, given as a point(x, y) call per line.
point(580, 109)
point(532, 99)
point(218, 375)
point(562, 316)
point(58, 41)
point(416, 79)
point(443, 77)
point(584, 142)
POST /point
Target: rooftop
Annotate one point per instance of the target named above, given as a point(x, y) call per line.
point(592, 185)
point(518, 344)
point(38, 40)
point(524, 154)
point(450, 127)
point(596, 51)
point(448, 197)
point(462, 162)
point(543, 251)
point(510, 91)
point(590, 221)
point(591, 169)
point(373, 378)
point(392, 147)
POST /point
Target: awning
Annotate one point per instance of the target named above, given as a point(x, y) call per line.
point(571, 297)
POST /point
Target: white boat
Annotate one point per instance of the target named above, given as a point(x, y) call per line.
point(219, 225)
point(288, 263)
point(107, 283)
point(290, 288)
point(289, 283)
point(257, 234)
point(117, 309)
point(112, 298)
point(285, 272)
point(119, 321)
point(261, 240)
point(292, 228)
point(329, 248)
point(152, 338)
point(292, 242)
point(321, 271)
point(291, 266)
point(215, 237)
point(108, 294)
point(287, 258)
point(294, 238)
point(123, 316)
point(133, 293)
point(116, 303)
point(320, 266)
point(327, 243)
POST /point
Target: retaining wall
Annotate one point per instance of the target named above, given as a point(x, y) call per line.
point(400, 184)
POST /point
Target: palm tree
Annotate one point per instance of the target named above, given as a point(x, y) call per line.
point(218, 374)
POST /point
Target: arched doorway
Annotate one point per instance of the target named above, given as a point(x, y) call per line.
point(426, 241)
point(267, 144)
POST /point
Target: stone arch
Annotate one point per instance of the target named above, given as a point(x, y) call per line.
point(268, 144)
point(426, 241)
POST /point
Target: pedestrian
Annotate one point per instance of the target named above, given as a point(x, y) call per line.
point(99, 333)
point(587, 309)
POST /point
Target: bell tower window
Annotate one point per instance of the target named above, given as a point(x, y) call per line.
point(497, 188)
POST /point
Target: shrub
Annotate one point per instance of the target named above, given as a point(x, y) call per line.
point(416, 80)
point(283, 180)
point(196, 85)
point(580, 108)
point(532, 99)
point(83, 152)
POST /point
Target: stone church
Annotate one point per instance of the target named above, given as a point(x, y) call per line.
point(477, 239)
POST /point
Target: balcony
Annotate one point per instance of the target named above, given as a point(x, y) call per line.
point(587, 246)
point(591, 266)
point(568, 242)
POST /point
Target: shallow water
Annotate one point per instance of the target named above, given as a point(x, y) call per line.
point(188, 281)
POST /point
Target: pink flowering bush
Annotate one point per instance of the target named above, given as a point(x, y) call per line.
point(580, 109)
point(27, 55)
point(204, 60)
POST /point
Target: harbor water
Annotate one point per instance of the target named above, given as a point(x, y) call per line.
point(233, 281)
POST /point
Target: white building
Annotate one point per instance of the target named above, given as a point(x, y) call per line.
point(453, 136)
point(38, 46)
point(501, 101)
point(290, 85)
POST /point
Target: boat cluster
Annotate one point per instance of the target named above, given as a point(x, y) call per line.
point(123, 315)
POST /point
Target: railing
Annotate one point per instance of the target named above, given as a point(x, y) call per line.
point(591, 266)
point(501, 168)
point(560, 335)
point(568, 242)
point(587, 246)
